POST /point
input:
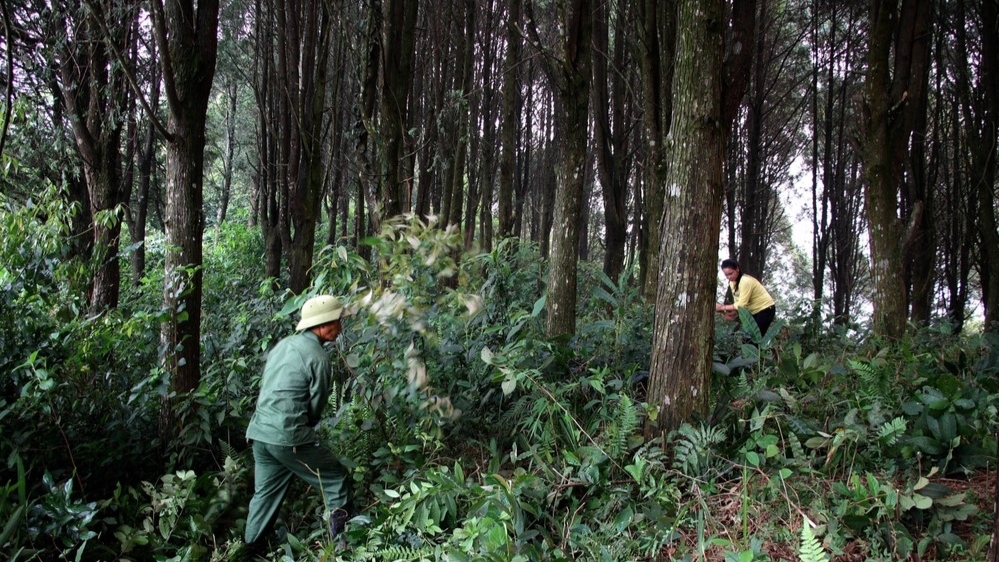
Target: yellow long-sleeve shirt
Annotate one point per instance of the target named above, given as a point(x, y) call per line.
point(750, 294)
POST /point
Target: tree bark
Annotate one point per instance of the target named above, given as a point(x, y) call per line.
point(229, 155)
point(187, 37)
point(611, 135)
point(301, 39)
point(571, 78)
point(398, 42)
point(890, 96)
point(657, 29)
point(96, 96)
point(509, 121)
point(683, 331)
point(983, 108)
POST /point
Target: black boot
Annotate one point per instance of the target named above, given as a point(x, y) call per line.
point(251, 552)
point(338, 521)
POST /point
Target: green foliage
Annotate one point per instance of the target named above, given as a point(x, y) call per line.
point(182, 515)
point(60, 518)
point(811, 549)
point(469, 434)
point(695, 450)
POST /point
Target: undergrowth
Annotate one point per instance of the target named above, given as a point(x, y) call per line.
point(468, 434)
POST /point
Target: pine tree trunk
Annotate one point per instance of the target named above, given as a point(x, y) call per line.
point(611, 141)
point(187, 36)
point(509, 121)
point(894, 95)
point(656, 32)
point(398, 42)
point(683, 332)
point(572, 79)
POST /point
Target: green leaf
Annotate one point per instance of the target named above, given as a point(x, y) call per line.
point(603, 295)
point(352, 360)
point(810, 361)
point(623, 519)
point(816, 442)
point(539, 305)
point(509, 385)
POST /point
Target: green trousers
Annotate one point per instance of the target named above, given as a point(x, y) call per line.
point(274, 467)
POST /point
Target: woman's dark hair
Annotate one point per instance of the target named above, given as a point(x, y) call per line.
point(729, 264)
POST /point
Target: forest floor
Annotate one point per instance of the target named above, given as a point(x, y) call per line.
point(728, 521)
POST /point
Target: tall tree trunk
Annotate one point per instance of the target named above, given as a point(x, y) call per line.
point(302, 44)
point(398, 42)
point(890, 95)
point(366, 128)
point(916, 24)
point(463, 115)
point(187, 36)
point(489, 141)
point(266, 93)
point(229, 155)
point(137, 215)
point(820, 199)
point(683, 331)
point(97, 98)
point(841, 172)
point(980, 104)
point(571, 77)
point(509, 120)
point(611, 134)
point(657, 29)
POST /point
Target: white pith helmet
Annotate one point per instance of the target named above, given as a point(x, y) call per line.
point(319, 310)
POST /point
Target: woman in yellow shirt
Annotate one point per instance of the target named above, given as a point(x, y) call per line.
point(750, 294)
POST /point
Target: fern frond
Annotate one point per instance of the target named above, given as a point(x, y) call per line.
point(797, 451)
point(743, 387)
point(810, 549)
point(623, 426)
point(892, 430)
point(401, 552)
point(694, 449)
point(228, 450)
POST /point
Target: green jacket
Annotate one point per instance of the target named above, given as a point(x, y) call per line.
point(293, 392)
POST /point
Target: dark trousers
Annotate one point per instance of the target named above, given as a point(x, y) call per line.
point(765, 318)
point(274, 467)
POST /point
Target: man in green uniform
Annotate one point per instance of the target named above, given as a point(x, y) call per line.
point(294, 389)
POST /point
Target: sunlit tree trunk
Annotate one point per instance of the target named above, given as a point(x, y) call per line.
point(683, 332)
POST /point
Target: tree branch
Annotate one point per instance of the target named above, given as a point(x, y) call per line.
point(128, 73)
point(9, 109)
